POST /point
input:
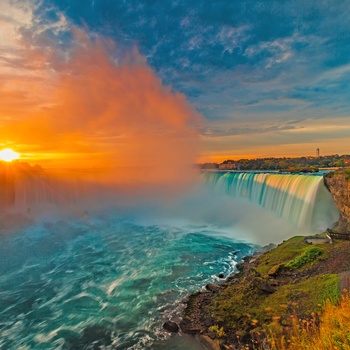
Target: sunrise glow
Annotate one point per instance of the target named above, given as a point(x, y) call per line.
point(8, 155)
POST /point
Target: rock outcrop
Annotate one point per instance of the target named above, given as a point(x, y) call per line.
point(171, 326)
point(339, 186)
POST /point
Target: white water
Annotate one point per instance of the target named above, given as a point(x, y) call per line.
point(109, 280)
point(256, 207)
point(302, 200)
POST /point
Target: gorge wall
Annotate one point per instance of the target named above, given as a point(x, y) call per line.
point(338, 183)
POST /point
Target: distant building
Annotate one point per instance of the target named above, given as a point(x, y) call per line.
point(227, 166)
point(317, 153)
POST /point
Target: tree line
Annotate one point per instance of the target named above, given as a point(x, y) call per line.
point(299, 164)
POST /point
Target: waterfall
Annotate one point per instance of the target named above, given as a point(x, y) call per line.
point(303, 200)
point(40, 190)
point(30, 191)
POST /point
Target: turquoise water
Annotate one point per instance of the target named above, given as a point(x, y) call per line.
point(302, 200)
point(110, 279)
point(107, 283)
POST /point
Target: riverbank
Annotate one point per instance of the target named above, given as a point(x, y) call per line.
point(294, 280)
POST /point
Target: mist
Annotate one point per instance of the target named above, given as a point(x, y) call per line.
point(106, 118)
point(106, 133)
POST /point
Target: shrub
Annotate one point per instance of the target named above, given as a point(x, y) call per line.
point(218, 331)
point(307, 256)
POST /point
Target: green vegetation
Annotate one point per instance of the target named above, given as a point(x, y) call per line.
point(285, 253)
point(274, 291)
point(301, 298)
point(219, 331)
point(294, 165)
point(246, 304)
point(329, 330)
point(308, 255)
point(346, 171)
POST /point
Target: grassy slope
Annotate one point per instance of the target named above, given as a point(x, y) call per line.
point(271, 293)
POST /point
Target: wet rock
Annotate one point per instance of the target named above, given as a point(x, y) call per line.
point(247, 258)
point(221, 275)
point(240, 267)
point(212, 287)
point(171, 326)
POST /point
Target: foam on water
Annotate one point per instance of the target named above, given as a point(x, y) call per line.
point(302, 200)
point(110, 279)
point(68, 285)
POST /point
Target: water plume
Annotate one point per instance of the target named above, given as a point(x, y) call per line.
point(271, 207)
point(107, 120)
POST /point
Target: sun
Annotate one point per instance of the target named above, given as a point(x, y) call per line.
point(8, 155)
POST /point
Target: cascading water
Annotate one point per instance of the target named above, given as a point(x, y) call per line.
point(109, 280)
point(301, 199)
point(30, 191)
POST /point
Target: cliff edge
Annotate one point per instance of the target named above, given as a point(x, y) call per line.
point(338, 183)
point(260, 307)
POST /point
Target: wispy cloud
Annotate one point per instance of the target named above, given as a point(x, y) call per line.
point(276, 51)
point(238, 61)
point(247, 130)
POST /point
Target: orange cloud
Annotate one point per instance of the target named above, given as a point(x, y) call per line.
point(96, 115)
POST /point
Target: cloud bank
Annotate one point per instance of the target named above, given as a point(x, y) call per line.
point(90, 110)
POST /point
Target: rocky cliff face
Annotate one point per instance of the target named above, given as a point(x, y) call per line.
point(339, 186)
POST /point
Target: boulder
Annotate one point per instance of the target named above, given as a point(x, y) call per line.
point(212, 287)
point(171, 326)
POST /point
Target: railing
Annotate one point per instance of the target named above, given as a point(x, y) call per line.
point(345, 236)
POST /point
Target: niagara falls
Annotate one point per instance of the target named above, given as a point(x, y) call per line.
point(109, 277)
point(174, 175)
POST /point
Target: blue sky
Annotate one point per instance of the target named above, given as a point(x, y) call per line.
point(270, 78)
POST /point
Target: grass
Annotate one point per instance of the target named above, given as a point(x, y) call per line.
point(250, 307)
point(329, 331)
point(237, 307)
point(294, 251)
point(307, 256)
point(284, 253)
point(301, 298)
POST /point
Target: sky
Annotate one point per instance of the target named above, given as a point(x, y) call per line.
point(174, 82)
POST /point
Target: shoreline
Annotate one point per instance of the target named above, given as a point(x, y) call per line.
point(213, 333)
point(198, 299)
point(230, 315)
